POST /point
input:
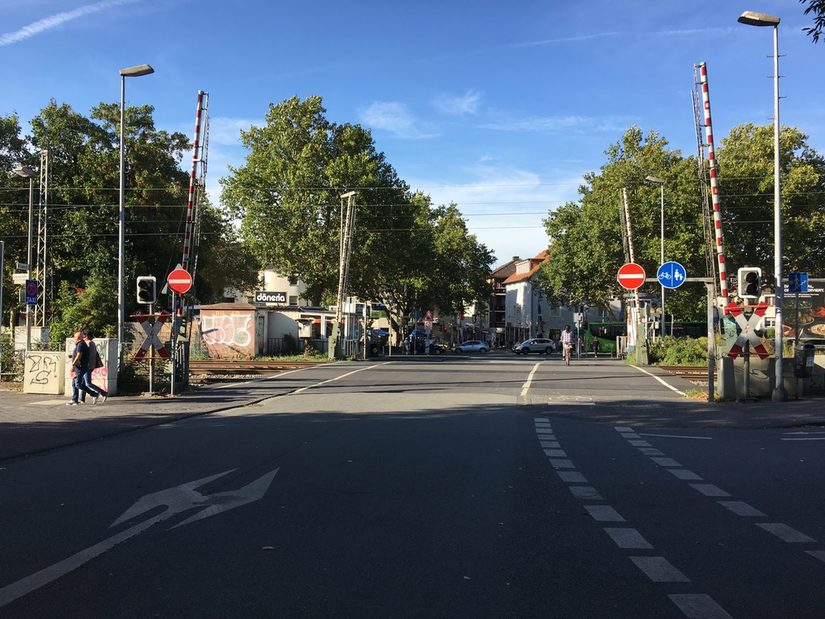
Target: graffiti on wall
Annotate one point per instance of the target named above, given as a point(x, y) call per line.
point(228, 333)
point(40, 368)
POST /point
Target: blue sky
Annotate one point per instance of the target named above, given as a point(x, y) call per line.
point(497, 106)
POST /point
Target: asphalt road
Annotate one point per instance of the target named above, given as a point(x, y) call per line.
point(453, 487)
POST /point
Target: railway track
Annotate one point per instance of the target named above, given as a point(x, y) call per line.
point(688, 372)
point(228, 367)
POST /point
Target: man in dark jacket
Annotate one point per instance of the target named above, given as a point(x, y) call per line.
point(80, 364)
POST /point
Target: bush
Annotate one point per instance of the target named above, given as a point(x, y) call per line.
point(679, 351)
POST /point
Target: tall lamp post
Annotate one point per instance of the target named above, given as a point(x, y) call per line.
point(28, 172)
point(752, 18)
point(136, 71)
point(655, 180)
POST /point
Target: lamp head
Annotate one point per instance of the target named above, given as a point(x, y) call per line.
point(26, 171)
point(752, 18)
point(654, 180)
point(137, 70)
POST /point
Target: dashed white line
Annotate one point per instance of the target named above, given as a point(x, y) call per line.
point(684, 474)
point(604, 513)
point(698, 606)
point(709, 490)
point(572, 477)
point(659, 569)
point(628, 538)
point(550, 444)
point(640, 443)
point(561, 463)
point(808, 438)
point(585, 493)
point(555, 453)
point(817, 554)
point(740, 508)
point(651, 451)
point(666, 462)
point(785, 533)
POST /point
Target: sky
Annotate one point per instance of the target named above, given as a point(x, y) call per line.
point(500, 107)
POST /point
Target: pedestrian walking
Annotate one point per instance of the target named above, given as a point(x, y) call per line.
point(94, 362)
point(595, 347)
point(79, 364)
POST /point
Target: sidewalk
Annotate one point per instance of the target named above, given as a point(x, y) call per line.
point(32, 423)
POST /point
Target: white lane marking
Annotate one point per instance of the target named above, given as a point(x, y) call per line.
point(562, 463)
point(666, 462)
point(806, 432)
point(709, 489)
point(541, 431)
point(332, 380)
point(699, 606)
point(671, 387)
point(526, 387)
point(39, 579)
point(585, 493)
point(571, 403)
point(550, 444)
point(640, 443)
point(628, 538)
point(817, 554)
point(264, 378)
point(651, 451)
point(572, 477)
point(555, 453)
point(699, 438)
point(740, 508)
point(623, 429)
point(809, 438)
point(604, 513)
point(659, 569)
point(685, 474)
point(785, 533)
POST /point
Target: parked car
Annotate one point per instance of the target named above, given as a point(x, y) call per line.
point(541, 345)
point(437, 349)
point(472, 346)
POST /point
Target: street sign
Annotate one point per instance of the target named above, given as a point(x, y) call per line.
point(797, 282)
point(747, 330)
point(631, 276)
point(31, 291)
point(671, 275)
point(180, 281)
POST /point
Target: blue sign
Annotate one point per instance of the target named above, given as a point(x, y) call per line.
point(797, 282)
point(31, 291)
point(671, 275)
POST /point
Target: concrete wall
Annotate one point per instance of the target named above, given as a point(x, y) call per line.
point(228, 333)
point(44, 372)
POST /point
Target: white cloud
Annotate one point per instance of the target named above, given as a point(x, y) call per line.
point(552, 124)
point(467, 103)
point(504, 206)
point(395, 117)
point(58, 19)
point(228, 130)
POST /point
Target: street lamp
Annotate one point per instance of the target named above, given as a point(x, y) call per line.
point(136, 71)
point(752, 18)
point(28, 172)
point(655, 180)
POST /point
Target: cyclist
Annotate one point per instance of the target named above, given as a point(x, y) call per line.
point(567, 344)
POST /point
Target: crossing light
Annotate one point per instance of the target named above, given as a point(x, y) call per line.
point(146, 289)
point(749, 279)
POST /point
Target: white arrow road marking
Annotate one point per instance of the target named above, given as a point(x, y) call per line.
point(178, 499)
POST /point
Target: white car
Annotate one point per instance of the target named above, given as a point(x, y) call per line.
point(540, 345)
point(472, 346)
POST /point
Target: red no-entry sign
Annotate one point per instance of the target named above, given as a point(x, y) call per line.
point(180, 281)
point(631, 276)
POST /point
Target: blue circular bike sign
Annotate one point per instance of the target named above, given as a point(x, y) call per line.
point(671, 275)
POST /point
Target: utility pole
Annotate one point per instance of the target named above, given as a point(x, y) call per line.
point(344, 251)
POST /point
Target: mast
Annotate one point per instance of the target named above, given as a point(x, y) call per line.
point(714, 186)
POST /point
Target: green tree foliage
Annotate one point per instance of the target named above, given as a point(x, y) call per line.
point(746, 177)
point(817, 9)
point(88, 308)
point(287, 194)
point(14, 199)
point(585, 237)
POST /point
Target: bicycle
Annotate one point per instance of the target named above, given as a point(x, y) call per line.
point(567, 353)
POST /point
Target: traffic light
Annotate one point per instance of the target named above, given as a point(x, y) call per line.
point(146, 289)
point(750, 282)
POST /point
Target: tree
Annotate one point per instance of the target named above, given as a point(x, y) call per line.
point(746, 175)
point(586, 238)
point(817, 9)
point(287, 195)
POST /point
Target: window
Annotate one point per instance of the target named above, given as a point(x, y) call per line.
point(293, 299)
